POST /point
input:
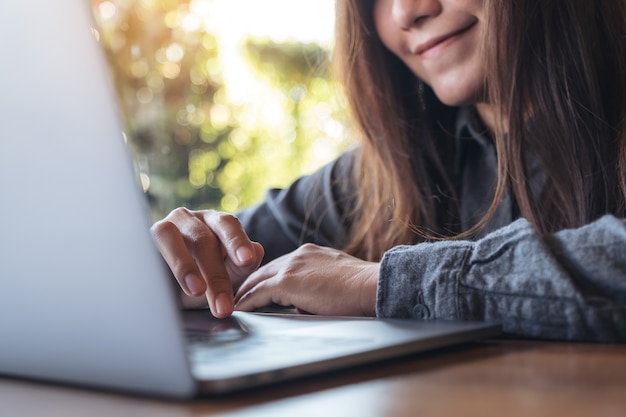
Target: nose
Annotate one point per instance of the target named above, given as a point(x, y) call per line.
point(408, 13)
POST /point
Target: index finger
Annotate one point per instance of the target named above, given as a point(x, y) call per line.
point(171, 244)
point(195, 256)
point(206, 248)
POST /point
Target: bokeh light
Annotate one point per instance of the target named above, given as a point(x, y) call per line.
point(224, 98)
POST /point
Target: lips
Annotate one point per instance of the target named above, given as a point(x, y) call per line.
point(438, 40)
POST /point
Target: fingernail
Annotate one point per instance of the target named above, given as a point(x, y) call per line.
point(244, 254)
point(223, 304)
point(194, 284)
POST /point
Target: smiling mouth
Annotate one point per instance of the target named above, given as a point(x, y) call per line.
point(440, 41)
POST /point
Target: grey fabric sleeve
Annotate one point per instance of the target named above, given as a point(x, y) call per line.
point(311, 210)
point(569, 285)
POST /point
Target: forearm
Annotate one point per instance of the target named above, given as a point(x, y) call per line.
point(571, 285)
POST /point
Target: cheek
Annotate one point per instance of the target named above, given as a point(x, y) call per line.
point(397, 48)
point(393, 39)
point(387, 31)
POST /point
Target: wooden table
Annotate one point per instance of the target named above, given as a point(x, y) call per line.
point(503, 378)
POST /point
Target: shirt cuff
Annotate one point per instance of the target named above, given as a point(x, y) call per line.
point(421, 281)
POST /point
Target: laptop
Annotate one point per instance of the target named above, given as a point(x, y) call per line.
point(85, 298)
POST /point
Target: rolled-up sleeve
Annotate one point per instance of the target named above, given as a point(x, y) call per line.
point(569, 285)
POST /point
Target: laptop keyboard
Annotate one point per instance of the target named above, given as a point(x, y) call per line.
point(216, 346)
point(210, 349)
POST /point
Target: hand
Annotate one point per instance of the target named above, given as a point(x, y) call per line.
point(314, 279)
point(209, 253)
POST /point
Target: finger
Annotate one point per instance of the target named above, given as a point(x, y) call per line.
point(203, 252)
point(260, 275)
point(207, 251)
point(239, 273)
point(233, 237)
point(266, 286)
point(171, 244)
point(261, 295)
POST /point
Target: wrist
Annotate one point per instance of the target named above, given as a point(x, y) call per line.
point(368, 290)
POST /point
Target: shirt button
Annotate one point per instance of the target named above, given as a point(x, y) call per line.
point(421, 311)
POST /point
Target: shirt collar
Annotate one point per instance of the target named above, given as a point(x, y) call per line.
point(469, 126)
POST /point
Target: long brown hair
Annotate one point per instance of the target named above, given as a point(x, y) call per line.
point(556, 72)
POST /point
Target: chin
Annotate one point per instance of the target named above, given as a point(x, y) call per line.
point(457, 100)
point(459, 94)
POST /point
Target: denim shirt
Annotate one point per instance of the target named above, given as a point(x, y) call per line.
point(570, 285)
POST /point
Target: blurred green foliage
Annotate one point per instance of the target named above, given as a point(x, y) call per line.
point(192, 146)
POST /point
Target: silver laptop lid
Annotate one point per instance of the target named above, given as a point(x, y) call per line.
point(83, 295)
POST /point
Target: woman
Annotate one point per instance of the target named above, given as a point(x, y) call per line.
point(489, 184)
